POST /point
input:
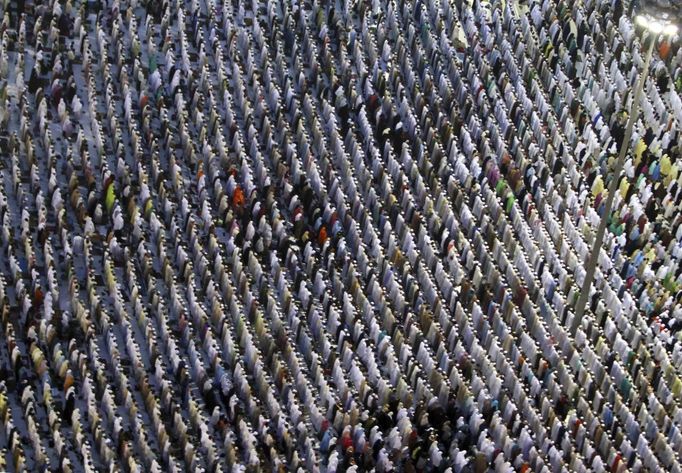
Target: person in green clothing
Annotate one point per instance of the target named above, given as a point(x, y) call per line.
point(615, 226)
point(500, 186)
point(510, 201)
point(549, 48)
point(109, 197)
point(529, 78)
point(148, 206)
point(625, 386)
point(152, 63)
point(669, 282)
point(631, 358)
point(640, 178)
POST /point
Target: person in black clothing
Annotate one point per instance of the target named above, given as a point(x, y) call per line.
point(663, 81)
point(618, 131)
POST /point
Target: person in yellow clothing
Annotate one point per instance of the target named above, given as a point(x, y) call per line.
point(639, 151)
point(674, 173)
point(668, 169)
point(38, 359)
point(665, 165)
point(597, 186)
point(624, 186)
point(677, 387)
point(110, 197)
point(651, 255)
point(3, 404)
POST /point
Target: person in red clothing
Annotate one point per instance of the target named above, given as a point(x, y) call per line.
point(346, 440)
point(616, 463)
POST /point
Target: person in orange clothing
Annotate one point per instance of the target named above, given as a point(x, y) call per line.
point(238, 197)
point(38, 297)
point(68, 380)
point(322, 236)
point(664, 50)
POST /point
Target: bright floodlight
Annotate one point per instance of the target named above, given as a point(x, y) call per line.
point(670, 29)
point(656, 26)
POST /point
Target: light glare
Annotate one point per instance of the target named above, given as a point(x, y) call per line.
point(656, 26)
point(671, 29)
